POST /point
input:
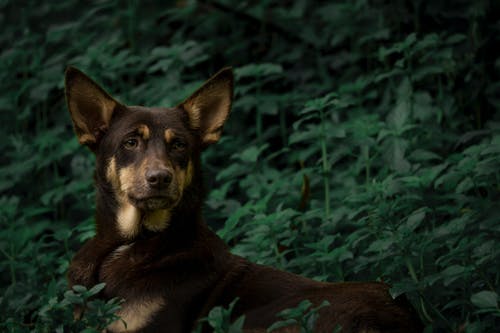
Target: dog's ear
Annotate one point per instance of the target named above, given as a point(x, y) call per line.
point(209, 106)
point(90, 106)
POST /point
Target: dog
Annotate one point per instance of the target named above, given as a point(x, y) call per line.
point(152, 247)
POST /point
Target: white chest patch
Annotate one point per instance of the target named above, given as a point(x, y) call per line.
point(128, 219)
point(136, 315)
point(120, 251)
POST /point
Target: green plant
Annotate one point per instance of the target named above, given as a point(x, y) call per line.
point(302, 316)
point(364, 141)
point(219, 318)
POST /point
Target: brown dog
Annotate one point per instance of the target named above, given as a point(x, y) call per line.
point(152, 247)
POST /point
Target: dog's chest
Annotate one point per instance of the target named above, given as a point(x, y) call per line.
point(136, 314)
point(139, 308)
point(117, 269)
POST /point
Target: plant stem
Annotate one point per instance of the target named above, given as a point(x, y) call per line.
point(258, 120)
point(366, 154)
point(411, 270)
point(413, 275)
point(325, 169)
point(11, 264)
point(283, 127)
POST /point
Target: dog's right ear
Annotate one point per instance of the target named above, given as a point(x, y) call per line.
point(90, 107)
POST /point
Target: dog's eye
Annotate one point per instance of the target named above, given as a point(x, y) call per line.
point(130, 143)
point(179, 145)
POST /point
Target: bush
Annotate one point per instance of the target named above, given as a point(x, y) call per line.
point(364, 142)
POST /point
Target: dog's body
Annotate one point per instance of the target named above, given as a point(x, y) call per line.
point(152, 247)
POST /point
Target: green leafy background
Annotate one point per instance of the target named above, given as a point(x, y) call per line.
point(364, 143)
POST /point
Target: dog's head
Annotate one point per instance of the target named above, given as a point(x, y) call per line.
point(147, 156)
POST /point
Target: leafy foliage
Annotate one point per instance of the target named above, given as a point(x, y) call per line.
point(301, 316)
point(219, 319)
point(364, 142)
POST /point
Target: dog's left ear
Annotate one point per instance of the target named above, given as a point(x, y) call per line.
point(209, 106)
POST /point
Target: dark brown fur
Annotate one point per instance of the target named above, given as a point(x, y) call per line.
point(153, 248)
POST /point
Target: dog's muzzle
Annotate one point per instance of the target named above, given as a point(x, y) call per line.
point(152, 203)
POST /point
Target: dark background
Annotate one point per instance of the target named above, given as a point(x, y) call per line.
point(364, 142)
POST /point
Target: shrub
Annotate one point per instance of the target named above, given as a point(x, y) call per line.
point(364, 143)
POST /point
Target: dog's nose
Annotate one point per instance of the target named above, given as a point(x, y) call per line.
point(158, 178)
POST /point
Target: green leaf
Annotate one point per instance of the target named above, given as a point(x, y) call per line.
point(485, 299)
point(380, 245)
point(414, 220)
point(79, 289)
point(258, 70)
point(237, 325)
point(281, 323)
point(251, 154)
point(97, 288)
point(452, 273)
point(423, 155)
point(400, 288)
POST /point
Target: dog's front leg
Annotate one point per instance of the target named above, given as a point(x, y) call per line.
point(84, 267)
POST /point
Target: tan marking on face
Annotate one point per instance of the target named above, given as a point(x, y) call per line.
point(126, 177)
point(136, 314)
point(157, 220)
point(128, 216)
point(189, 175)
point(128, 219)
point(111, 173)
point(143, 131)
point(184, 178)
point(169, 135)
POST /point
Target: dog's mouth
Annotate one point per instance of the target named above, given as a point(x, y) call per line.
point(152, 203)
